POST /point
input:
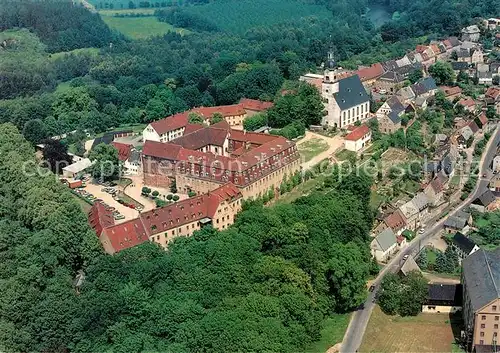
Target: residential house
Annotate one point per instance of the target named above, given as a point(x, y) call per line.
point(463, 246)
point(443, 298)
point(435, 189)
point(481, 299)
point(477, 56)
point(415, 211)
point(471, 33)
point(132, 165)
point(469, 104)
point(457, 222)
point(391, 105)
point(346, 100)
point(464, 135)
point(421, 102)
point(217, 208)
point(492, 97)
point(496, 164)
point(495, 183)
point(464, 56)
point(405, 95)
point(459, 66)
point(483, 201)
point(358, 139)
point(426, 87)
point(384, 245)
point(451, 93)
point(481, 121)
point(390, 123)
point(409, 265)
point(484, 78)
point(493, 23)
point(368, 75)
point(396, 222)
point(390, 82)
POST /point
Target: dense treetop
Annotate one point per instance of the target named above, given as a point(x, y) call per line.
point(265, 284)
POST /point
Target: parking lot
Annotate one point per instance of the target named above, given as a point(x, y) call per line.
point(122, 212)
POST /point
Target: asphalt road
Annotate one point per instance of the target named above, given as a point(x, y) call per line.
point(359, 320)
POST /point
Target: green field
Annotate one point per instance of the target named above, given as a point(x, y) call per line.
point(239, 16)
point(90, 51)
point(140, 27)
point(312, 148)
point(332, 333)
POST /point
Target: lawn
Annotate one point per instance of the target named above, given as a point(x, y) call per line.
point(140, 27)
point(91, 51)
point(115, 12)
point(239, 16)
point(344, 155)
point(422, 333)
point(301, 190)
point(332, 333)
point(311, 148)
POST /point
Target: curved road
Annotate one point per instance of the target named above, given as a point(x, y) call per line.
point(359, 320)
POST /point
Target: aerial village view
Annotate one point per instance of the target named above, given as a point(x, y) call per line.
point(249, 176)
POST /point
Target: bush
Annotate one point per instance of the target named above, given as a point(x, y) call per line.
point(191, 193)
point(169, 197)
point(155, 193)
point(175, 198)
point(145, 190)
point(160, 203)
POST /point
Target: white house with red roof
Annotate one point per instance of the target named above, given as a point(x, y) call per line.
point(174, 126)
point(358, 138)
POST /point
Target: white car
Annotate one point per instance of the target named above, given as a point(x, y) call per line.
point(405, 257)
point(421, 231)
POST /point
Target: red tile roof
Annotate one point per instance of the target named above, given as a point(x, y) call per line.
point(126, 235)
point(395, 220)
point(100, 218)
point(358, 133)
point(370, 73)
point(450, 91)
point(447, 44)
point(493, 93)
point(188, 210)
point(201, 138)
point(255, 105)
point(224, 110)
point(437, 185)
point(483, 119)
point(124, 150)
point(421, 48)
point(192, 128)
point(161, 150)
point(171, 123)
point(473, 126)
point(435, 49)
point(467, 102)
point(316, 82)
point(252, 137)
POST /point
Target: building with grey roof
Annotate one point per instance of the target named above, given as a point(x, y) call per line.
point(481, 297)
point(384, 245)
point(346, 101)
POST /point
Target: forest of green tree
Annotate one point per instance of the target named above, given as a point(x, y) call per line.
point(263, 285)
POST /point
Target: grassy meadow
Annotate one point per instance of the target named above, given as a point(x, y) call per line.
point(140, 27)
point(239, 16)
